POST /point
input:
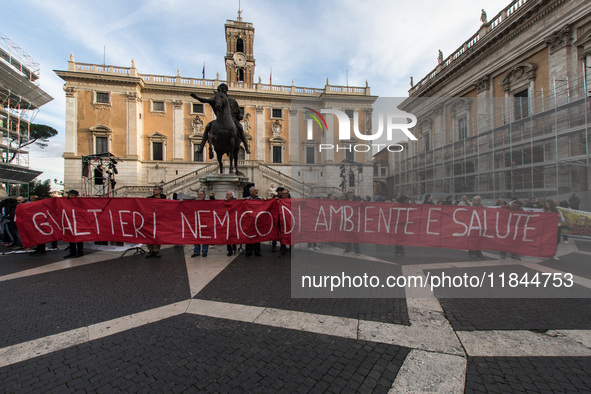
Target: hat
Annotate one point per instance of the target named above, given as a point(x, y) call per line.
point(74, 192)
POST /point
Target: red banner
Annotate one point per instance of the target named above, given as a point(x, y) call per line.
point(147, 221)
point(152, 221)
point(436, 226)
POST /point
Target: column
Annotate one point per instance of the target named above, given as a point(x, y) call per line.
point(178, 140)
point(259, 134)
point(294, 136)
point(71, 123)
point(132, 124)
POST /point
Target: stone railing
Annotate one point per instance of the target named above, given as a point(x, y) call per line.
point(134, 190)
point(286, 179)
point(213, 83)
point(468, 45)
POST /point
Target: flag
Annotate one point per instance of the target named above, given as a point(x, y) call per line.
point(203, 72)
point(271, 77)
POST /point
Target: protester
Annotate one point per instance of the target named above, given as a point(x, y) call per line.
point(197, 249)
point(476, 202)
point(449, 200)
point(278, 195)
point(154, 250)
point(256, 247)
point(283, 248)
point(76, 248)
point(549, 206)
point(463, 201)
point(440, 200)
point(514, 205)
point(574, 201)
point(428, 199)
point(500, 202)
point(229, 197)
point(399, 249)
point(352, 197)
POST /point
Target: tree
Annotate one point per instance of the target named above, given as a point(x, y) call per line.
point(39, 188)
point(39, 134)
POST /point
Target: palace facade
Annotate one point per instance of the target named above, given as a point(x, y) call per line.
point(506, 114)
point(151, 127)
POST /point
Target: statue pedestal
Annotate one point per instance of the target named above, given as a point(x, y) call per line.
point(221, 183)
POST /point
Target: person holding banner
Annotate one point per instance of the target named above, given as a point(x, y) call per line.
point(231, 248)
point(197, 249)
point(476, 202)
point(248, 249)
point(514, 205)
point(399, 249)
point(352, 197)
point(74, 247)
point(154, 250)
point(550, 206)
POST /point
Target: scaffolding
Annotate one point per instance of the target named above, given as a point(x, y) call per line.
point(534, 145)
point(20, 99)
point(98, 175)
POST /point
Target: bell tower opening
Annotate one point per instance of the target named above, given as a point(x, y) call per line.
point(239, 59)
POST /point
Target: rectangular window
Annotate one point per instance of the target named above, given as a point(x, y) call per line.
point(276, 154)
point(101, 145)
point(310, 155)
point(382, 171)
point(350, 154)
point(277, 113)
point(157, 151)
point(197, 156)
point(462, 128)
point(102, 98)
point(158, 106)
point(197, 108)
point(521, 104)
point(427, 142)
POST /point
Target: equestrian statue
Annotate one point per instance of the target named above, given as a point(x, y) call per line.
point(225, 133)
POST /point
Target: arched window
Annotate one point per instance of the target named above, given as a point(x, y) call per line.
point(239, 45)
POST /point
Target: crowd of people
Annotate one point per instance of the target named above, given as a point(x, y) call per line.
point(11, 238)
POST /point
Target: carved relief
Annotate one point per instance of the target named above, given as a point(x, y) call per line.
point(523, 70)
point(559, 39)
point(70, 91)
point(133, 96)
point(482, 84)
point(277, 128)
point(461, 104)
point(197, 125)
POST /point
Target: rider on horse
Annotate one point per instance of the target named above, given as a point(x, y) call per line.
point(236, 116)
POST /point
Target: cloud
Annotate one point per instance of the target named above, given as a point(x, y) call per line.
point(381, 41)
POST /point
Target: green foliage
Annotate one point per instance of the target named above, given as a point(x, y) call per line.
point(40, 188)
point(39, 134)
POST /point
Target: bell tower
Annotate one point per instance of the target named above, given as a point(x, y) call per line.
point(239, 51)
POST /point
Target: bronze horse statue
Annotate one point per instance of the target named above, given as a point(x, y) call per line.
point(224, 135)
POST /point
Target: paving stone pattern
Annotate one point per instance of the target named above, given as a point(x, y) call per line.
point(41, 305)
point(190, 353)
point(528, 375)
point(517, 314)
point(17, 262)
point(269, 285)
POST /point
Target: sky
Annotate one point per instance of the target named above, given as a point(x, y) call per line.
point(383, 42)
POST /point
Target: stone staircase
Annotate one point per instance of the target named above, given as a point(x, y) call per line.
point(188, 183)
